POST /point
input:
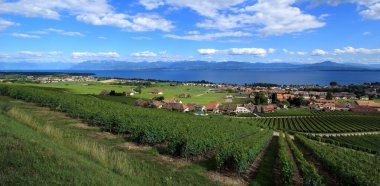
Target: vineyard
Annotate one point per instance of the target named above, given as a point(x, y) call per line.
point(366, 143)
point(349, 166)
point(238, 146)
point(194, 137)
point(310, 112)
point(326, 124)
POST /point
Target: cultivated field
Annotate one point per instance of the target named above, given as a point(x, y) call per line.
point(141, 146)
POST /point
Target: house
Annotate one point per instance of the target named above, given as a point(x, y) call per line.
point(250, 106)
point(319, 104)
point(159, 92)
point(212, 107)
point(191, 106)
point(265, 108)
point(171, 100)
point(157, 104)
point(175, 107)
point(227, 108)
point(240, 109)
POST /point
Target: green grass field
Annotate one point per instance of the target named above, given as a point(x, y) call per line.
point(199, 95)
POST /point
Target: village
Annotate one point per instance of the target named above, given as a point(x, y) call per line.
point(254, 100)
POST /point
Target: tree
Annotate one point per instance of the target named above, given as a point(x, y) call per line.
point(274, 98)
point(333, 83)
point(261, 98)
point(329, 96)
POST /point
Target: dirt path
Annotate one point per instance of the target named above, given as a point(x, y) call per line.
point(297, 178)
point(329, 178)
point(344, 134)
point(252, 170)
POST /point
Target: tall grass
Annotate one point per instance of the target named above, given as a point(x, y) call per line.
point(100, 153)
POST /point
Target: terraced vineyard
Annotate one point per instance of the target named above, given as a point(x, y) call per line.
point(366, 143)
point(325, 124)
point(194, 137)
point(310, 112)
point(349, 166)
point(234, 146)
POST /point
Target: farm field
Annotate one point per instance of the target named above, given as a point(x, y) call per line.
point(143, 143)
point(322, 124)
point(365, 142)
point(199, 95)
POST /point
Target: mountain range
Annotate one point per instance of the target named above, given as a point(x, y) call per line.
point(188, 65)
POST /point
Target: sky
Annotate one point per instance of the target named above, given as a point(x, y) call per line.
point(296, 31)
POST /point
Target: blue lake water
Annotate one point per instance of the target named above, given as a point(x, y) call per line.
point(242, 76)
point(247, 76)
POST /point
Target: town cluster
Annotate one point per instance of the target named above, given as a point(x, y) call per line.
point(272, 98)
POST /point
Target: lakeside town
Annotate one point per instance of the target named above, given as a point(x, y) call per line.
point(235, 100)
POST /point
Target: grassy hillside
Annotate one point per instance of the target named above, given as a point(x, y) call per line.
point(32, 158)
point(42, 147)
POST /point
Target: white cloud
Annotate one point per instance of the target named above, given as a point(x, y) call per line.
point(66, 33)
point(25, 35)
point(207, 51)
point(96, 12)
point(268, 17)
point(144, 54)
point(211, 36)
point(5, 24)
point(373, 12)
point(102, 37)
point(95, 55)
point(258, 52)
point(351, 50)
point(319, 52)
point(152, 4)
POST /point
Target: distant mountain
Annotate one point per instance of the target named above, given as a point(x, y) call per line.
point(204, 65)
point(188, 65)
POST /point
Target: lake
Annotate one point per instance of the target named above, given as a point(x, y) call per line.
point(241, 76)
point(247, 76)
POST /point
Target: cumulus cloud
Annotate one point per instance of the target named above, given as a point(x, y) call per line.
point(25, 35)
point(95, 55)
point(144, 54)
point(351, 50)
point(207, 51)
point(152, 4)
point(206, 37)
point(5, 24)
point(258, 52)
point(96, 12)
point(319, 52)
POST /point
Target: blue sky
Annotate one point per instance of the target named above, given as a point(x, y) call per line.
point(299, 31)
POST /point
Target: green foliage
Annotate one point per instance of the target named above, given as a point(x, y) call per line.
point(350, 166)
point(240, 154)
point(326, 124)
point(186, 135)
point(366, 143)
point(286, 164)
point(309, 172)
point(261, 98)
